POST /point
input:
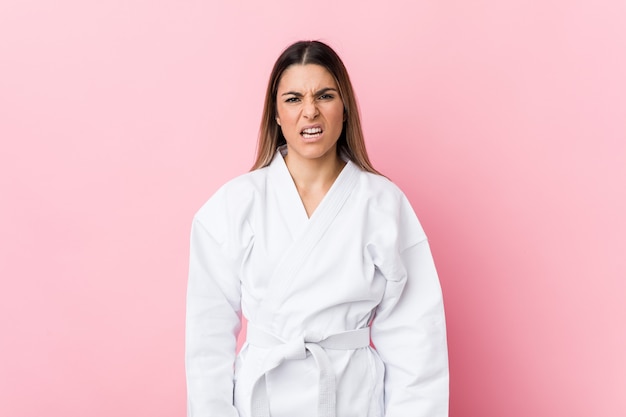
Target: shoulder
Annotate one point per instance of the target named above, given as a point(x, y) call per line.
point(233, 199)
point(379, 183)
point(389, 208)
point(381, 191)
point(243, 186)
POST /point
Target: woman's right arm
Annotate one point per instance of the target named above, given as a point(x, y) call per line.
point(212, 324)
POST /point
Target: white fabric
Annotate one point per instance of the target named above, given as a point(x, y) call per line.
point(283, 350)
point(361, 259)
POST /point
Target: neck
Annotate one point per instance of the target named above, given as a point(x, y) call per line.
point(311, 174)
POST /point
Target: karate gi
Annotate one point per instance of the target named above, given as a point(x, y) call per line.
point(313, 290)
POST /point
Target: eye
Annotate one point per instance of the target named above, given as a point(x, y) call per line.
point(326, 97)
point(292, 100)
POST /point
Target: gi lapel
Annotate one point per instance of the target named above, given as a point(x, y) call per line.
point(309, 235)
point(286, 196)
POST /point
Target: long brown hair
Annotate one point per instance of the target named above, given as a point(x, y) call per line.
point(350, 141)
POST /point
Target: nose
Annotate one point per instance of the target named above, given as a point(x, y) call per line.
point(310, 109)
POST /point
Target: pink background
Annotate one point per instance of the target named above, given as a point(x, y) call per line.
point(503, 121)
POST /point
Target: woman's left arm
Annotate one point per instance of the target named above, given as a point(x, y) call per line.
point(409, 331)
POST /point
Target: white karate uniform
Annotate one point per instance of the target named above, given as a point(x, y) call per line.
point(361, 260)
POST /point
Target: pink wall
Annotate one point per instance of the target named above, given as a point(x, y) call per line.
point(504, 121)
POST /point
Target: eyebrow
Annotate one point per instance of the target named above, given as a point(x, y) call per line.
point(317, 93)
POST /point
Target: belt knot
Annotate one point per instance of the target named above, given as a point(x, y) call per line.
point(296, 349)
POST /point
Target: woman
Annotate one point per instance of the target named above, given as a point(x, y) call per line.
point(322, 255)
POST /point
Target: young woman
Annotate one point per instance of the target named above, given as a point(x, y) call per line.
point(326, 260)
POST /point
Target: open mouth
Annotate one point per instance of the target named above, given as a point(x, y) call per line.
point(311, 133)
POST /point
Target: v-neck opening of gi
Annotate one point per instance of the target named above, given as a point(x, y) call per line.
point(281, 152)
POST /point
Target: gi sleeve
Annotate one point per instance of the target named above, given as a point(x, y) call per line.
point(212, 324)
point(409, 328)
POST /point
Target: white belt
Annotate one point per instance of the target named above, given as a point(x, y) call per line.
point(296, 349)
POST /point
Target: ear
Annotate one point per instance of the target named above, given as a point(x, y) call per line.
point(278, 120)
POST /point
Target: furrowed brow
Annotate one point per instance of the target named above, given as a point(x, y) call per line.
point(317, 93)
point(326, 90)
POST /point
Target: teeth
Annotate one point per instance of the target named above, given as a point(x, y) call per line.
point(312, 130)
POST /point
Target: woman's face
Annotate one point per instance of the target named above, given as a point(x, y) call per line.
point(310, 112)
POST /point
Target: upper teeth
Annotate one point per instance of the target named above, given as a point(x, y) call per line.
point(312, 130)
